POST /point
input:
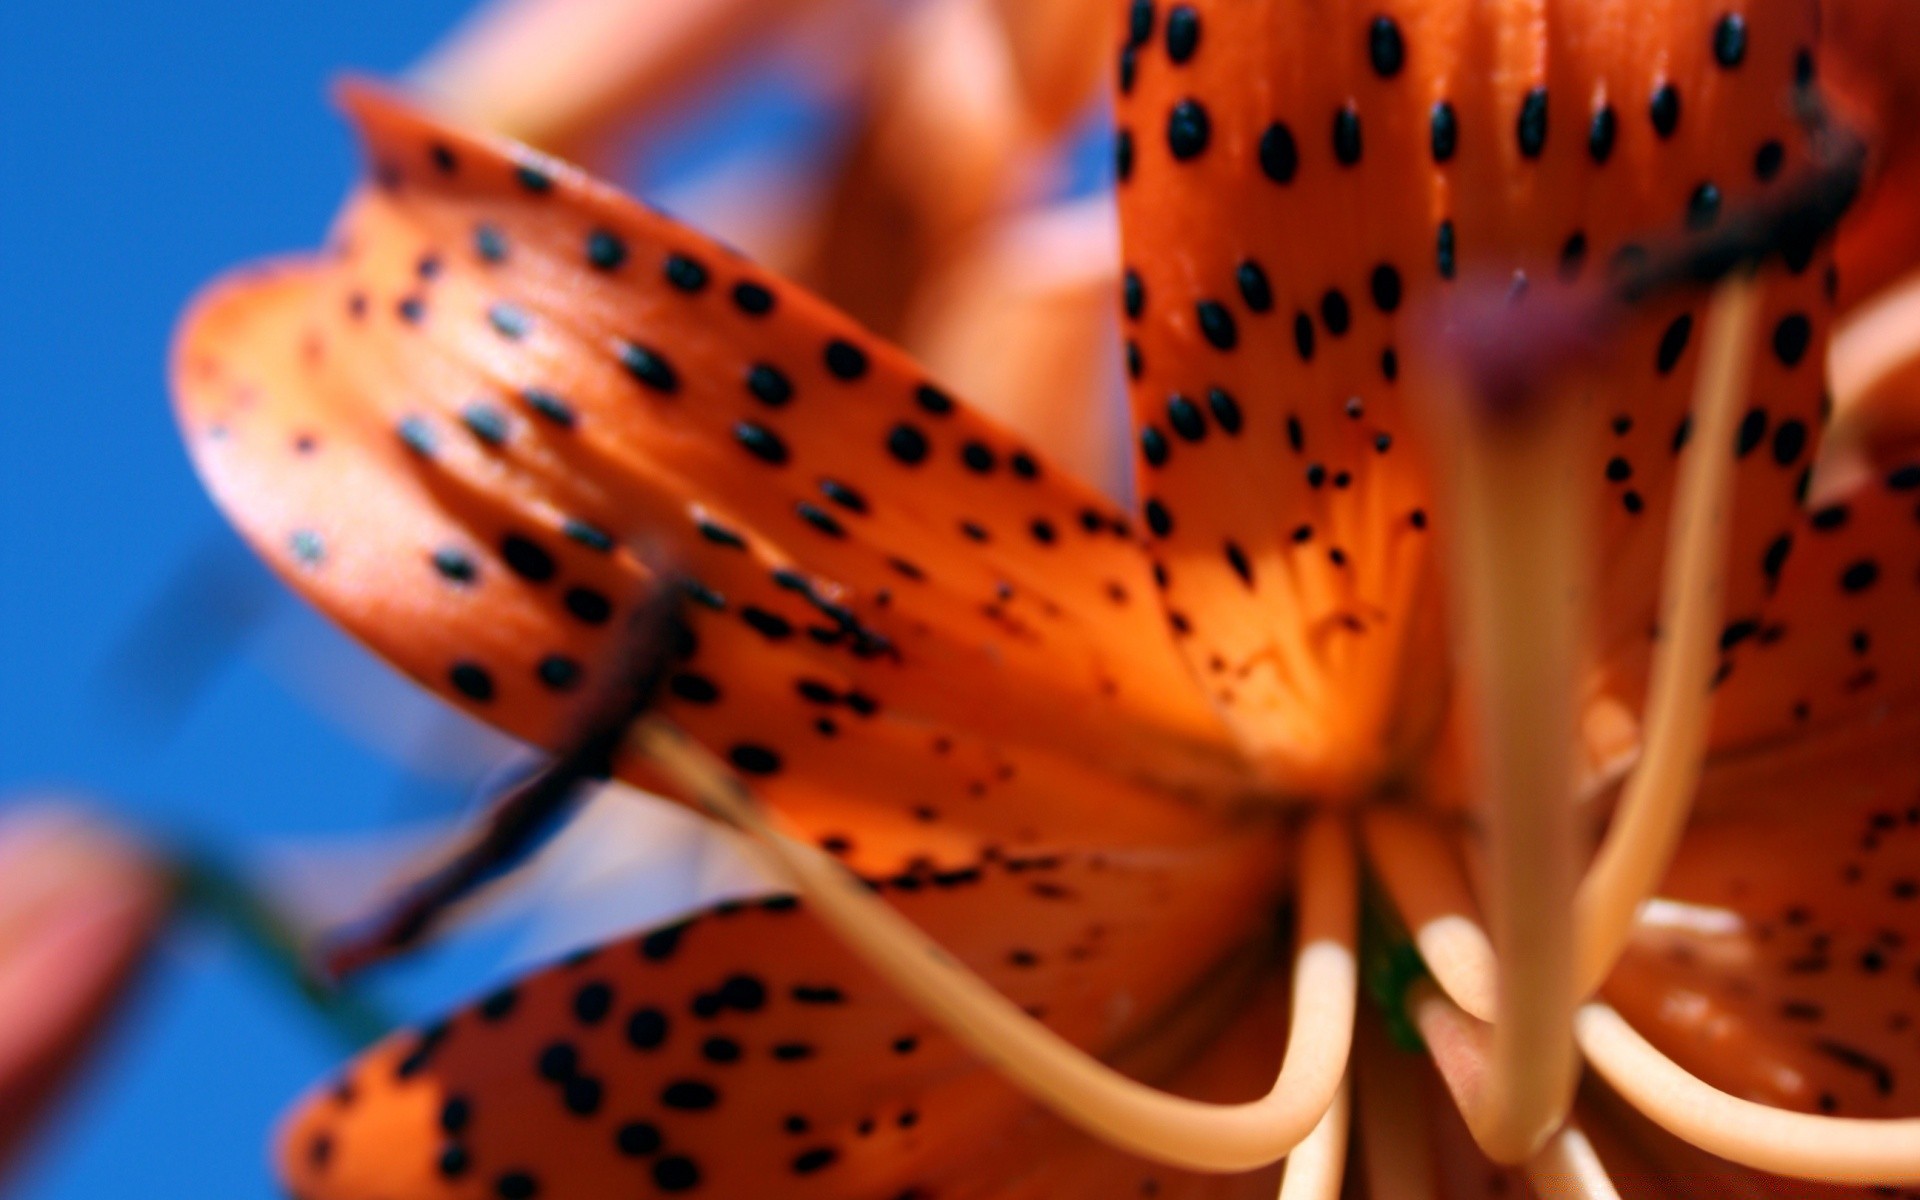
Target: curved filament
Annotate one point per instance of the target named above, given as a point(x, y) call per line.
point(1130, 1115)
point(1658, 795)
point(1317, 1167)
point(1838, 1150)
point(1429, 890)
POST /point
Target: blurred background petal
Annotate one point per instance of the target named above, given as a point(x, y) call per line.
point(80, 905)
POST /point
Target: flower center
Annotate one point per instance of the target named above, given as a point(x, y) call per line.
point(1516, 573)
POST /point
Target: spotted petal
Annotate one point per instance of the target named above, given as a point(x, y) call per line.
point(1305, 190)
point(1790, 978)
point(1837, 644)
point(460, 429)
point(745, 1053)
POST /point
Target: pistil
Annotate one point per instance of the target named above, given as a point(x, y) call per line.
point(1511, 451)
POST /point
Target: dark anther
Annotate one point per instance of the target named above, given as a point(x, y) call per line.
point(522, 818)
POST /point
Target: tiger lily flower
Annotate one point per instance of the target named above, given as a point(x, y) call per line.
point(1077, 807)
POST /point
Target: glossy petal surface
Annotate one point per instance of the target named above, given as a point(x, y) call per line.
point(458, 429)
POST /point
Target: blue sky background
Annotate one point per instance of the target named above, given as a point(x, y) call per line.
point(148, 147)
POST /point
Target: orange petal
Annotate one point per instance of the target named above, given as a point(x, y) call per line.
point(1299, 183)
point(926, 236)
point(79, 907)
point(448, 431)
point(1786, 972)
point(745, 1053)
point(1835, 642)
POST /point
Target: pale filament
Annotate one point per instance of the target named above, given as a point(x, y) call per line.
point(1658, 795)
point(1317, 1166)
point(1568, 1167)
point(1875, 341)
point(1802, 1145)
point(1415, 863)
point(1519, 526)
point(1429, 890)
point(1838, 1150)
point(1503, 547)
point(1130, 1115)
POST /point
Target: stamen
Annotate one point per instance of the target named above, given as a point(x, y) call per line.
point(1130, 1115)
point(1317, 1167)
point(1519, 530)
point(1841, 1150)
point(1568, 1166)
point(1429, 889)
point(1659, 794)
point(1653, 1162)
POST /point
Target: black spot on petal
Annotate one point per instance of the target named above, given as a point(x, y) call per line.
point(1188, 129)
point(1530, 128)
point(1730, 40)
point(1279, 153)
point(1443, 131)
point(605, 250)
point(1183, 33)
point(1664, 109)
point(1347, 141)
point(1386, 48)
point(1602, 131)
point(649, 367)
